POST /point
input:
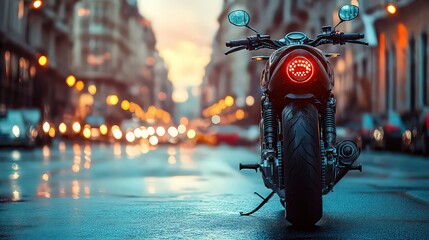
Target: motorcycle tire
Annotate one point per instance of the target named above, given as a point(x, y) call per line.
point(302, 164)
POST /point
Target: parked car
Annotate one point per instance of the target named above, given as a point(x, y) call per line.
point(14, 130)
point(418, 131)
point(234, 135)
point(93, 128)
point(366, 129)
point(388, 133)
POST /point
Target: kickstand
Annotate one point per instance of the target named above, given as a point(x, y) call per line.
point(264, 201)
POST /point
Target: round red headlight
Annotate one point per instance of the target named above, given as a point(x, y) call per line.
point(299, 69)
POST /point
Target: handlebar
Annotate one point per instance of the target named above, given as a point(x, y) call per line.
point(351, 36)
point(264, 41)
point(240, 42)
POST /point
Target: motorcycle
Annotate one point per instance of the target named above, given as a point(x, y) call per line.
point(300, 158)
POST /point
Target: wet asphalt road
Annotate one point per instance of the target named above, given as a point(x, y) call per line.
point(96, 191)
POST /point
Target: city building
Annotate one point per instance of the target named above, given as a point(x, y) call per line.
point(35, 50)
point(393, 73)
point(115, 52)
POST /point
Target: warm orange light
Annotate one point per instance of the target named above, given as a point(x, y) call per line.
point(125, 105)
point(87, 133)
point(92, 89)
point(391, 8)
point(76, 127)
point(239, 114)
point(43, 60)
point(63, 128)
point(191, 134)
point(51, 132)
point(184, 121)
point(70, 80)
point(103, 129)
point(79, 86)
point(229, 101)
point(37, 4)
point(250, 101)
point(112, 99)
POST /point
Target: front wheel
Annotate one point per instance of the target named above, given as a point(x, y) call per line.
point(302, 163)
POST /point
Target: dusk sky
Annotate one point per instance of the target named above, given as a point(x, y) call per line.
point(184, 31)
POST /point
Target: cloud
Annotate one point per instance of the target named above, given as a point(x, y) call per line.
point(186, 62)
point(184, 30)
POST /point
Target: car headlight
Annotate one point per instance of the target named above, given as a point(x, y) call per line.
point(15, 131)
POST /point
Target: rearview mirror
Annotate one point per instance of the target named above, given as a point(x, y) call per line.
point(239, 18)
point(348, 12)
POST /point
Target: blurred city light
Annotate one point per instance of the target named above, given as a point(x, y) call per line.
point(112, 100)
point(181, 128)
point(70, 81)
point(138, 133)
point(229, 101)
point(52, 132)
point(239, 114)
point(45, 177)
point(103, 129)
point(15, 131)
point(215, 119)
point(37, 4)
point(43, 60)
point(153, 140)
point(391, 8)
point(62, 127)
point(92, 89)
point(250, 101)
point(76, 127)
point(151, 130)
point(87, 132)
point(173, 131)
point(191, 134)
point(125, 105)
point(184, 121)
point(160, 131)
point(79, 86)
point(130, 137)
point(117, 133)
point(145, 133)
point(46, 126)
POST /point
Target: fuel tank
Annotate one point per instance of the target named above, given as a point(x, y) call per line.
point(279, 82)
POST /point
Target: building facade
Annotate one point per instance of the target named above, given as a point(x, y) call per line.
point(27, 33)
point(115, 51)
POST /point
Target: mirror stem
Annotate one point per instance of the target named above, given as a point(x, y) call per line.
point(252, 29)
point(341, 21)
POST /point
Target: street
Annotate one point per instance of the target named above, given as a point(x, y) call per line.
point(80, 191)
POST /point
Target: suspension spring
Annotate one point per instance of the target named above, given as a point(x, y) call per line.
point(270, 126)
point(328, 124)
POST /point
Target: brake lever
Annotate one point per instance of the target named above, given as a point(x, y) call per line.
point(235, 49)
point(357, 42)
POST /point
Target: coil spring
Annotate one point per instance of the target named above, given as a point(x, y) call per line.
point(324, 163)
point(328, 124)
point(270, 127)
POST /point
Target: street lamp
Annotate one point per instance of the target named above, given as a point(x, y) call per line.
point(43, 60)
point(70, 80)
point(37, 4)
point(391, 8)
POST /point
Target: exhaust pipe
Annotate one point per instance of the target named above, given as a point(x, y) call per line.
point(348, 152)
